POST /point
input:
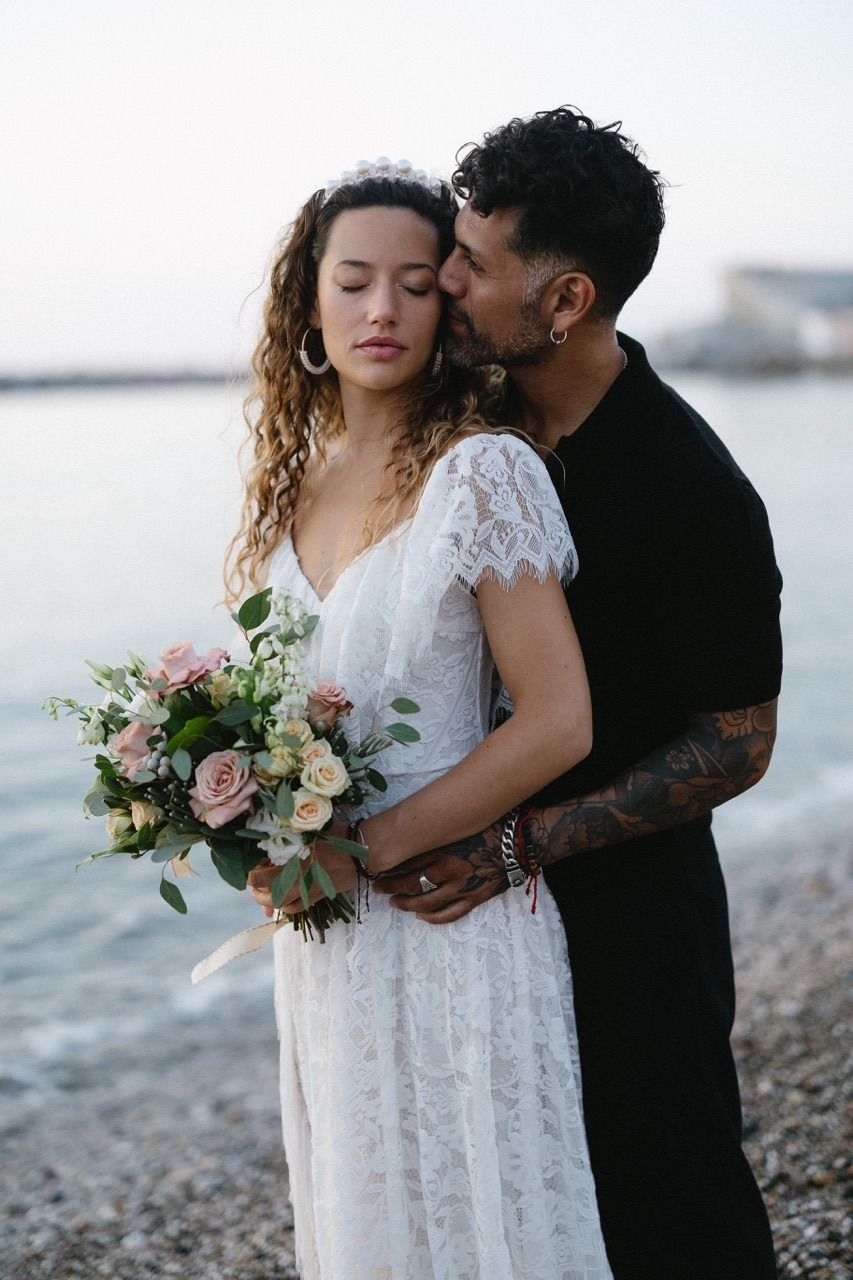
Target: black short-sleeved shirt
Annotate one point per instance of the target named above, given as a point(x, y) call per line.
point(676, 602)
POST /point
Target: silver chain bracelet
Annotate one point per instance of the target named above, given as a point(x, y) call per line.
point(514, 874)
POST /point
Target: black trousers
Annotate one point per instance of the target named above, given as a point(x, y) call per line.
point(648, 935)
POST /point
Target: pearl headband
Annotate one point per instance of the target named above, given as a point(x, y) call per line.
point(402, 171)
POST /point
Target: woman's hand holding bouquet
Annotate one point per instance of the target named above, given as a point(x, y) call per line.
point(248, 757)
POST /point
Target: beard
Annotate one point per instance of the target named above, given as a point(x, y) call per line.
point(526, 346)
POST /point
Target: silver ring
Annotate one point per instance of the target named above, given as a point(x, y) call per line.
point(427, 885)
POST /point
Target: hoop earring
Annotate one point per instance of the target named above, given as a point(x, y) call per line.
point(316, 369)
point(558, 342)
point(436, 364)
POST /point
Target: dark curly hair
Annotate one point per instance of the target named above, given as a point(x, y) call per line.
point(585, 199)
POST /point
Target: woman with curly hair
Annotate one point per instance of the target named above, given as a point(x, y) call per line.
point(429, 1076)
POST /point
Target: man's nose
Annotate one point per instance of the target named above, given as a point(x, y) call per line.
point(449, 280)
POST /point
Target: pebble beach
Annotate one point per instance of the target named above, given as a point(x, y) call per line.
point(161, 1156)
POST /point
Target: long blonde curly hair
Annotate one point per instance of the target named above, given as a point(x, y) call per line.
point(293, 415)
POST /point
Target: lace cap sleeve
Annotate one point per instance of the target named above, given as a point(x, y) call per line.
point(502, 516)
point(488, 510)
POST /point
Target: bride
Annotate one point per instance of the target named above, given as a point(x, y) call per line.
point(430, 1085)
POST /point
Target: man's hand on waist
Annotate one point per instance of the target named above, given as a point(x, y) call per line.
point(465, 874)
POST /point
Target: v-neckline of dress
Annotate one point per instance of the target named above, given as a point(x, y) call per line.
point(321, 600)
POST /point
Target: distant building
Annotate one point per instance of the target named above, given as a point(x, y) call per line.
point(776, 319)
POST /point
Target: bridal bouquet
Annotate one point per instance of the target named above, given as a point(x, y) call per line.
point(248, 757)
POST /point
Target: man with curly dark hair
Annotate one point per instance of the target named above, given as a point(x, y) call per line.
point(677, 607)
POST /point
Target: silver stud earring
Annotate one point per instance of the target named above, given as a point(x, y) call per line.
point(558, 342)
point(436, 364)
point(306, 359)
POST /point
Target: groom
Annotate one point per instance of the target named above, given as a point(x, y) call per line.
point(677, 608)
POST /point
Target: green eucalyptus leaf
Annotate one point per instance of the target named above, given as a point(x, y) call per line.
point(228, 861)
point(376, 780)
point(182, 764)
point(284, 801)
point(402, 733)
point(352, 847)
point(190, 733)
point(405, 706)
point(285, 880)
point(105, 673)
point(170, 844)
point(304, 889)
point(145, 838)
point(93, 802)
point(172, 894)
point(323, 880)
point(236, 713)
point(143, 775)
point(255, 611)
point(93, 857)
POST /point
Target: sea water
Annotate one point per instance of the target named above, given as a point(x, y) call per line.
point(115, 508)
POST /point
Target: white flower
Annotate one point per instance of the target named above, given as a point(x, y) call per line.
point(118, 822)
point(147, 710)
point(291, 703)
point(283, 841)
point(290, 612)
point(326, 776)
point(267, 680)
point(91, 729)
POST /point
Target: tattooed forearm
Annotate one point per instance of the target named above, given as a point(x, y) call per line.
point(720, 756)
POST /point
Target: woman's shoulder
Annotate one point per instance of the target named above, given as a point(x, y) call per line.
point(490, 449)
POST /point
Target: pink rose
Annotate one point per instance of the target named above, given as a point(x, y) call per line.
point(131, 746)
point(327, 702)
point(180, 665)
point(222, 790)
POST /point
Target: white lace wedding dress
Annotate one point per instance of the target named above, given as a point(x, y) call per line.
point(430, 1085)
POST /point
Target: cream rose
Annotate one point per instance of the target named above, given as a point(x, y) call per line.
point(319, 750)
point(118, 822)
point(283, 762)
point(220, 688)
point(325, 777)
point(222, 789)
point(300, 729)
point(310, 811)
point(142, 811)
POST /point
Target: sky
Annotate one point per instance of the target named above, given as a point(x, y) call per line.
point(153, 150)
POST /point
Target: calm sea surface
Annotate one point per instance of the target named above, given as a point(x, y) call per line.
point(115, 508)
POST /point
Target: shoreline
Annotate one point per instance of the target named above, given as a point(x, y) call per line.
point(162, 1156)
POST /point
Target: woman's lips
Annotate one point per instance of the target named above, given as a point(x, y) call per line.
point(381, 348)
